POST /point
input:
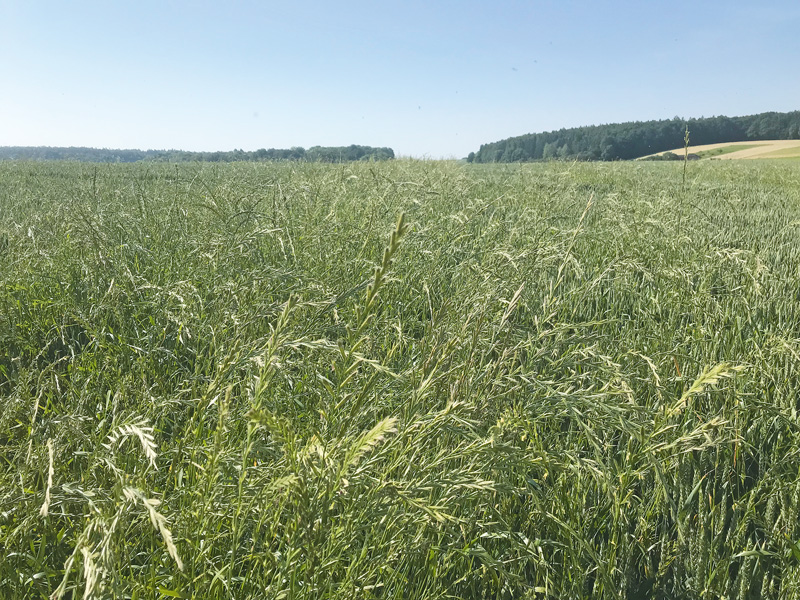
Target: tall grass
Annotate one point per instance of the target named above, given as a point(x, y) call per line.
point(405, 380)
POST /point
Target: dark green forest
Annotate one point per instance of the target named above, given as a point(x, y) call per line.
point(625, 141)
point(333, 154)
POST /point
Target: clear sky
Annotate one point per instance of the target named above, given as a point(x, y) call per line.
point(425, 77)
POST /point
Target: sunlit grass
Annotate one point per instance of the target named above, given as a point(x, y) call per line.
point(399, 380)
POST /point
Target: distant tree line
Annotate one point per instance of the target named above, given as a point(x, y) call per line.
point(624, 141)
point(41, 153)
point(333, 154)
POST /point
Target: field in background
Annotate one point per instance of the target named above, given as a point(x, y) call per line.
point(545, 380)
point(737, 150)
point(722, 149)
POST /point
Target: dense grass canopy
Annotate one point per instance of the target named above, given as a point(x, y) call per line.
point(399, 380)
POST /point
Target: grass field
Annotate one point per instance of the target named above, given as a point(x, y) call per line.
point(400, 380)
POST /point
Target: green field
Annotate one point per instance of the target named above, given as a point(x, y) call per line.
point(255, 381)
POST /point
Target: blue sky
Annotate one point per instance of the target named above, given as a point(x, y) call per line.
point(427, 78)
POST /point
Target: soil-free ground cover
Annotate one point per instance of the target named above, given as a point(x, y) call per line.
point(400, 380)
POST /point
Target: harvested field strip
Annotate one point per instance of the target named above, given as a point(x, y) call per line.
point(737, 150)
point(792, 152)
point(725, 150)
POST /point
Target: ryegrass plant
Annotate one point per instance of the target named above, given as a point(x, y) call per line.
point(399, 380)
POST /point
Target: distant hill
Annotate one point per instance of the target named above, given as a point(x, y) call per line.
point(334, 154)
point(624, 141)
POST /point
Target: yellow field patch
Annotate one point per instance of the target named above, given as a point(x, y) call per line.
point(751, 149)
point(792, 152)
